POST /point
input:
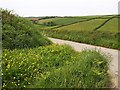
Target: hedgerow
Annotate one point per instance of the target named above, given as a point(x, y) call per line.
point(18, 32)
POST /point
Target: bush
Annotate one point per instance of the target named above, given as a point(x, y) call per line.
point(19, 32)
point(49, 24)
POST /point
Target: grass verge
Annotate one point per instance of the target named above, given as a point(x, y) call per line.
point(53, 66)
point(98, 38)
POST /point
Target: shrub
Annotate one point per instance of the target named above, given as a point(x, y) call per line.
point(19, 32)
point(49, 24)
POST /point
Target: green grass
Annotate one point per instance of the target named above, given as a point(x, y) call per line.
point(98, 16)
point(73, 22)
point(107, 35)
point(46, 27)
point(111, 26)
point(53, 67)
point(85, 72)
point(61, 21)
point(98, 38)
point(84, 26)
point(68, 20)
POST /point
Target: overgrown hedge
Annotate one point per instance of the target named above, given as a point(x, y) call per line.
point(19, 32)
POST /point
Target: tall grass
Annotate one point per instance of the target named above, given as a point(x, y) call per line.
point(99, 38)
point(53, 67)
point(87, 71)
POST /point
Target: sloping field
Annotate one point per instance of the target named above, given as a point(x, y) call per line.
point(97, 16)
point(58, 22)
point(61, 21)
point(86, 25)
point(100, 31)
point(111, 26)
point(76, 23)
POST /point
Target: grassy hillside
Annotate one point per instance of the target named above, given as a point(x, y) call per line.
point(61, 21)
point(58, 22)
point(83, 26)
point(64, 21)
point(111, 26)
point(101, 31)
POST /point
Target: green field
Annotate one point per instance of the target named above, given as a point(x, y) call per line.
point(63, 21)
point(83, 26)
point(95, 30)
point(59, 21)
point(111, 26)
point(83, 23)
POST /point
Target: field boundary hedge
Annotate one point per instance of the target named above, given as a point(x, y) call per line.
point(89, 20)
point(104, 23)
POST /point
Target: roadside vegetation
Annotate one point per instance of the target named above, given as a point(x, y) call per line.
point(104, 39)
point(54, 66)
point(30, 60)
point(20, 33)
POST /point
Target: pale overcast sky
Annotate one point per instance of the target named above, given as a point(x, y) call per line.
point(61, 7)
